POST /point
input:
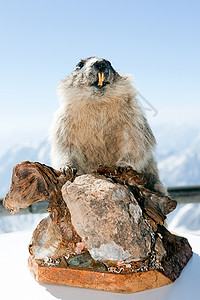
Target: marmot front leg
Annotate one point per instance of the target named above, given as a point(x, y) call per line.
point(69, 170)
point(69, 166)
point(64, 161)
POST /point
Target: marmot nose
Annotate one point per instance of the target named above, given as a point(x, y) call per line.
point(101, 66)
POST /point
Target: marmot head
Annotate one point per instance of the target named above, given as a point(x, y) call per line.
point(94, 78)
point(96, 72)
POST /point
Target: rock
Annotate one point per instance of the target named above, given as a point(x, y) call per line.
point(155, 206)
point(47, 241)
point(108, 218)
point(99, 224)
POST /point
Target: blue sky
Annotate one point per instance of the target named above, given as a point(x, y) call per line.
point(41, 41)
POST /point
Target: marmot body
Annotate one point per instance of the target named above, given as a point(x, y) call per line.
point(100, 123)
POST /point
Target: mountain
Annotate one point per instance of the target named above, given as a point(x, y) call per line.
point(178, 156)
point(182, 167)
point(175, 139)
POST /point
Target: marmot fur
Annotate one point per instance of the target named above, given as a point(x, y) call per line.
point(99, 122)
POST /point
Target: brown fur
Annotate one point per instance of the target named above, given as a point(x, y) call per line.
point(103, 126)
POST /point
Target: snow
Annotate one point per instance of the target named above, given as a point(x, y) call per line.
point(185, 219)
point(17, 282)
point(20, 222)
point(182, 168)
point(178, 155)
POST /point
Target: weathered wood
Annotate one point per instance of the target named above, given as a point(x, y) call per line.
point(60, 248)
point(178, 250)
point(182, 194)
point(33, 182)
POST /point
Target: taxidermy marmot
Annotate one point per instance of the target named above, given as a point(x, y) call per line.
point(99, 122)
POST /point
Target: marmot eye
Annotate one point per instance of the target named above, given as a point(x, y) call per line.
point(80, 64)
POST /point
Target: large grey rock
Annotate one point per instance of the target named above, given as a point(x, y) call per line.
point(108, 218)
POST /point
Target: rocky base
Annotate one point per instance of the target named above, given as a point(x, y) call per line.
point(87, 274)
point(104, 231)
point(118, 283)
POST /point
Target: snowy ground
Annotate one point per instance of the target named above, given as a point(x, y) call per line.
point(185, 219)
point(20, 222)
point(17, 230)
point(17, 283)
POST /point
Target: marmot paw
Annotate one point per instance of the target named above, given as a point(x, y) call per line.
point(69, 171)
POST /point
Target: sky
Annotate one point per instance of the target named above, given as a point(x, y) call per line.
point(156, 41)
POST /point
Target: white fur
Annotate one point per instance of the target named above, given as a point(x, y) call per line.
point(107, 127)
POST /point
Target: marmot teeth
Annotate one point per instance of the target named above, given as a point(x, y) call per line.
point(101, 78)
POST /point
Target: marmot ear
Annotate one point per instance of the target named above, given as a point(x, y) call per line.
point(109, 63)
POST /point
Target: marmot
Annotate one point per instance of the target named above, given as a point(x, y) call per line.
point(99, 122)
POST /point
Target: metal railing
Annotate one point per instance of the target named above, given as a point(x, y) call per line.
point(185, 194)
